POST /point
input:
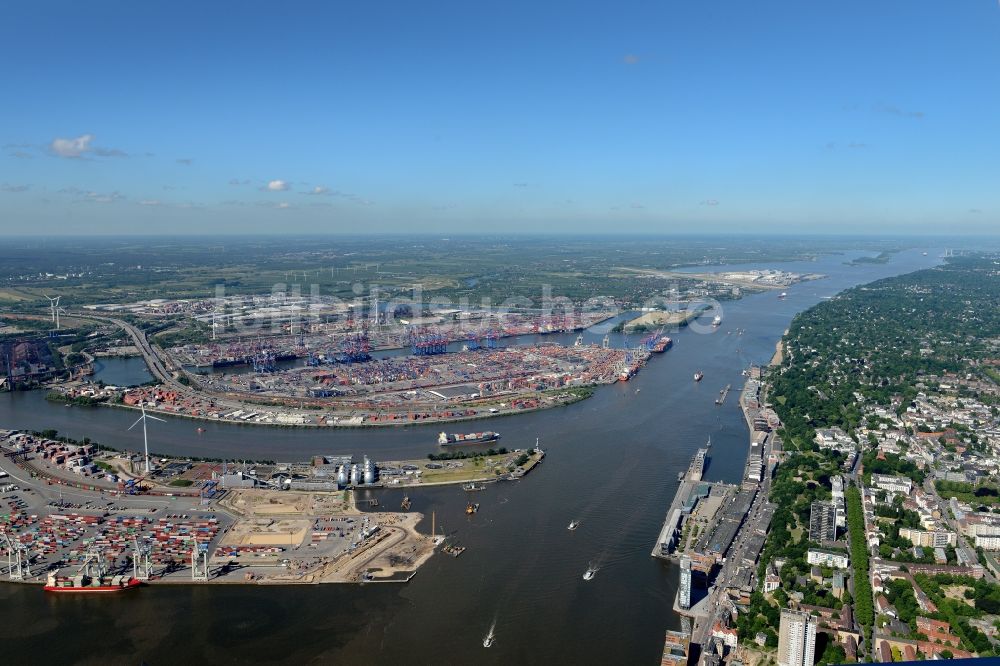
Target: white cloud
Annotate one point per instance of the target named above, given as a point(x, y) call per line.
point(277, 186)
point(92, 196)
point(320, 190)
point(151, 202)
point(14, 188)
point(71, 147)
point(105, 198)
point(80, 146)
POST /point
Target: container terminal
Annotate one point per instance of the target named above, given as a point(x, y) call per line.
point(450, 386)
point(77, 519)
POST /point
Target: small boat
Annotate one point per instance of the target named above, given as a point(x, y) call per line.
point(573, 525)
point(637, 390)
point(698, 375)
point(472, 485)
point(201, 430)
point(782, 295)
point(405, 505)
point(590, 572)
point(680, 476)
point(490, 637)
point(471, 508)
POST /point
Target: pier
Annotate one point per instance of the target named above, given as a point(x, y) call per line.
point(729, 521)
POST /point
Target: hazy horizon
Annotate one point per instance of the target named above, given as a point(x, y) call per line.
point(635, 118)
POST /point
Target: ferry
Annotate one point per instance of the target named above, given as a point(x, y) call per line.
point(86, 584)
point(445, 439)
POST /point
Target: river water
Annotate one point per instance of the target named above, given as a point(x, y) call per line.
point(612, 463)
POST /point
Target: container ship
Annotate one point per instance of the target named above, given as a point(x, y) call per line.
point(662, 345)
point(82, 583)
point(444, 439)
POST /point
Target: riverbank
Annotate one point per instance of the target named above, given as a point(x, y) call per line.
point(315, 419)
point(779, 351)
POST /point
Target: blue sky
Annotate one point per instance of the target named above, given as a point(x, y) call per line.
point(631, 117)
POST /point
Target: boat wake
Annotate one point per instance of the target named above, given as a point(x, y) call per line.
point(491, 636)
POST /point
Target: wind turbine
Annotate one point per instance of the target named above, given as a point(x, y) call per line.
point(59, 311)
point(54, 303)
point(145, 439)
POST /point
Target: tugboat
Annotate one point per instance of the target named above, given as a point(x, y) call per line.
point(573, 525)
point(590, 572)
point(698, 375)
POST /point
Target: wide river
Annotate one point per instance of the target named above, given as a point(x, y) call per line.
point(612, 463)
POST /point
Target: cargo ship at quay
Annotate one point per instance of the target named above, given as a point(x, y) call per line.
point(81, 584)
point(662, 345)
